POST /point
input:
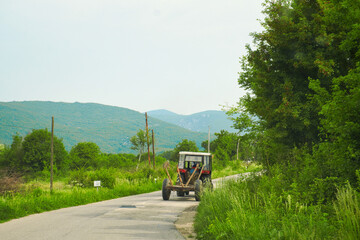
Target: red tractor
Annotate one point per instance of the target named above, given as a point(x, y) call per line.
point(194, 172)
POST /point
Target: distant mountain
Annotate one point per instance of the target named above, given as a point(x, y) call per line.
point(198, 122)
point(109, 127)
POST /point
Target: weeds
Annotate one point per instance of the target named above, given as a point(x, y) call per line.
point(347, 208)
point(248, 210)
point(9, 181)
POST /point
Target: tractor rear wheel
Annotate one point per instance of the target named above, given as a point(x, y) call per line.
point(198, 189)
point(165, 191)
point(208, 183)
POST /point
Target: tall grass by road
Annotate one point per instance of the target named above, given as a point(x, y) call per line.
point(248, 210)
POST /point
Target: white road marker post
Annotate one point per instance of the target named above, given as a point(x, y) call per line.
point(97, 184)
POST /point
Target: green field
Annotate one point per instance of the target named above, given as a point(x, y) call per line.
point(34, 196)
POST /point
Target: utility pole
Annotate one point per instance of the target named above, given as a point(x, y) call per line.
point(52, 154)
point(237, 150)
point(153, 147)
point(147, 138)
point(209, 140)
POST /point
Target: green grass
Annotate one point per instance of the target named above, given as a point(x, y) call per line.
point(234, 167)
point(35, 196)
point(248, 210)
point(347, 210)
point(39, 200)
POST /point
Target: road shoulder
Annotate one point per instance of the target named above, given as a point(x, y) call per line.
point(185, 223)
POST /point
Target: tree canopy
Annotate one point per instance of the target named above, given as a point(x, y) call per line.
point(185, 145)
point(84, 155)
point(302, 41)
point(36, 151)
point(302, 77)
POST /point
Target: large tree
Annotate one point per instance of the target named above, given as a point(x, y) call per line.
point(12, 156)
point(302, 74)
point(84, 155)
point(301, 42)
point(225, 141)
point(184, 145)
point(36, 149)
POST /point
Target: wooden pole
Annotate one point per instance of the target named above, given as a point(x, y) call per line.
point(180, 178)
point(52, 154)
point(147, 138)
point(209, 140)
point(187, 183)
point(153, 146)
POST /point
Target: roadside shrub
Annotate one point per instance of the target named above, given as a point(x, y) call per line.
point(106, 176)
point(9, 181)
point(79, 178)
point(84, 178)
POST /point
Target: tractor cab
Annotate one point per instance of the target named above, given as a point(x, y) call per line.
point(189, 161)
point(193, 173)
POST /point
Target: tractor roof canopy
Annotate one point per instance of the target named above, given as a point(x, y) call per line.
point(194, 157)
point(195, 153)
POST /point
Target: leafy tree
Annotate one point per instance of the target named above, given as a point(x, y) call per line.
point(221, 157)
point(12, 157)
point(120, 160)
point(36, 148)
point(338, 156)
point(303, 80)
point(139, 141)
point(341, 127)
point(277, 71)
point(169, 155)
point(225, 141)
point(185, 145)
point(302, 41)
point(84, 155)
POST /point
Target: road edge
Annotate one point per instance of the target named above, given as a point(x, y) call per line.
point(185, 223)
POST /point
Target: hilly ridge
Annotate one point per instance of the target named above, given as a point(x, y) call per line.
point(198, 122)
point(109, 127)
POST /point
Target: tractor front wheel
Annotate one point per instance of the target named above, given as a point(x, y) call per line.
point(165, 190)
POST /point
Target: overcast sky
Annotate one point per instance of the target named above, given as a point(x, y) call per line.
point(180, 55)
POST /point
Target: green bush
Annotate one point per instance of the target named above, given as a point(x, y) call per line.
point(84, 178)
point(79, 178)
point(106, 176)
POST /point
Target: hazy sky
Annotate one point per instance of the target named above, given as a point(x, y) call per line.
point(180, 55)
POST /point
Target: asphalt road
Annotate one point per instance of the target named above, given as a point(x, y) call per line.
point(144, 216)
